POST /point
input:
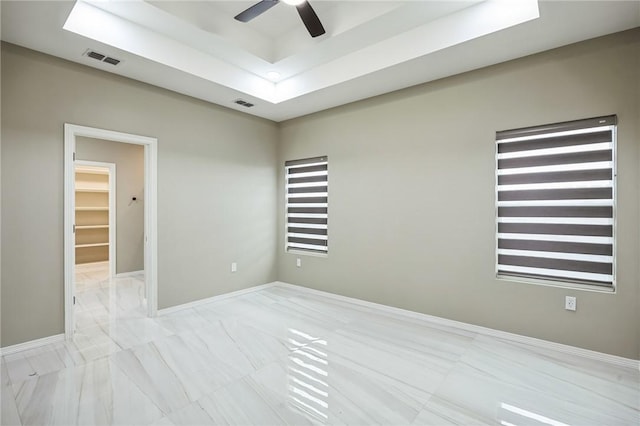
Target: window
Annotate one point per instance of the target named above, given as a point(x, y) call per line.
point(307, 204)
point(555, 202)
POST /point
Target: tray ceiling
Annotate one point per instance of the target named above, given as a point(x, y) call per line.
point(370, 48)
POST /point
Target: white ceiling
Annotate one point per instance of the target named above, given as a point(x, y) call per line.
point(370, 48)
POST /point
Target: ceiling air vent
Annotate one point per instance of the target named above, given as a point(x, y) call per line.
point(95, 55)
point(112, 61)
point(100, 57)
point(243, 103)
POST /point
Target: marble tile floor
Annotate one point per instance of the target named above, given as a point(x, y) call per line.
point(281, 356)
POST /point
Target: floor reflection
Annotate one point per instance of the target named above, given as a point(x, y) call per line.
point(511, 415)
point(308, 387)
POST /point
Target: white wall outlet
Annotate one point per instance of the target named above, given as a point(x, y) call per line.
point(570, 303)
point(299, 262)
point(234, 266)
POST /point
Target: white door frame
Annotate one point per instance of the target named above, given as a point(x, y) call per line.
point(71, 131)
point(112, 208)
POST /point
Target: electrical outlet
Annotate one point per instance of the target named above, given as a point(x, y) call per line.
point(570, 303)
point(234, 266)
point(298, 262)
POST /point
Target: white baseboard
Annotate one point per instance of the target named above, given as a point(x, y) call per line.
point(129, 274)
point(532, 341)
point(200, 302)
point(32, 344)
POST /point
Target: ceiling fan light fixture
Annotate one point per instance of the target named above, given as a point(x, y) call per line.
point(307, 14)
point(273, 75)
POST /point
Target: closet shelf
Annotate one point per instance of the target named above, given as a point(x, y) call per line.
point(92, 226)
point(92, 209)
point(92, 245)
point(101, 190)
point(92, 170)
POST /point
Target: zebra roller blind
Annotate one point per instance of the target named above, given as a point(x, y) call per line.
point(555, 202)
point(307, 204)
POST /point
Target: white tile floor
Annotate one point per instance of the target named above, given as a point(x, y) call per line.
point(281, 356)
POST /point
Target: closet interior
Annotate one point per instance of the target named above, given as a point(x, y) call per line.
point(92, 214)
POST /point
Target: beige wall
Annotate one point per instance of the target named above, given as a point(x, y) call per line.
point(216, 186)
point(411, 194)
point(129, 161)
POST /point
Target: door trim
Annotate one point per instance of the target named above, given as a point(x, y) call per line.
point(71, 131)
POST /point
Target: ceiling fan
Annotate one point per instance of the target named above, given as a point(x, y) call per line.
point(306, 12)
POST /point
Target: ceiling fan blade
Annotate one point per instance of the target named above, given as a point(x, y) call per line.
point(256, 10)
point(310, 19)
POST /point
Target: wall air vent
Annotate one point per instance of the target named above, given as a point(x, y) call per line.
point(243, 103)
point(100, 57)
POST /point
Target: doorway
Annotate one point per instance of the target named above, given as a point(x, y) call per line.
point(72, 200)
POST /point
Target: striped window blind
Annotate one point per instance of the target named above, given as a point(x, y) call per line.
point(555, 202)
point(307, 204)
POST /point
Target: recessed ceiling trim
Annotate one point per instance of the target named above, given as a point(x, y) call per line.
point(183, 22)
point(470, 23)
point(94, 23)
point(463, 25)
